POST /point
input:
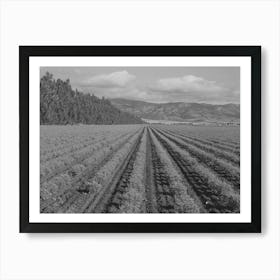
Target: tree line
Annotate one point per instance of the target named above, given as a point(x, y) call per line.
point(60, 104)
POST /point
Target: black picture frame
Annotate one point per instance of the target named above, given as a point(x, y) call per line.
point(25, 52)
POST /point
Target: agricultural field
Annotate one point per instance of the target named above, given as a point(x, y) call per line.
point(139, 168)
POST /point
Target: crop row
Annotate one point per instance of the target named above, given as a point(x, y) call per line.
point(230, 157)
point(110, 174)
point(221, 167)
point(95, 184)
point(77, 174)
point(224, 136)
point(184, 203)
point(70, 150)
point(157, 169)
point(58, 165)
point(134, 197)
point(215, 193)
point(213, 143)
point(54, 140)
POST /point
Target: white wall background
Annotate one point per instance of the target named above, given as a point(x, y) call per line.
point(139, 256)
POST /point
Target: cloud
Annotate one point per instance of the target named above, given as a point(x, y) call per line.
point(191, 89)
point(187, 84)
point(116, 79)
point(118, 92)
point(187, 88)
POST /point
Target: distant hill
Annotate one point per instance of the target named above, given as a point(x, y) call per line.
point(60, 104)
point(180, 111)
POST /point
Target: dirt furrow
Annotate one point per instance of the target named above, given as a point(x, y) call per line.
point(150, 188)
point(164, 195)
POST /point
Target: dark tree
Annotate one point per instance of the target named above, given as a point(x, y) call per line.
point(60, 104)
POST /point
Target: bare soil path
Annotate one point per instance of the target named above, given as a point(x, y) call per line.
point(160, 189)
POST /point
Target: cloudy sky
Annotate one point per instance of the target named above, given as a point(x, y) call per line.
point(214, 85)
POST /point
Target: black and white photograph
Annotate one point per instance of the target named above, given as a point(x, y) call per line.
point(140, 140)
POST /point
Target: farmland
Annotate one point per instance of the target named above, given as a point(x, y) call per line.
point(139, 169)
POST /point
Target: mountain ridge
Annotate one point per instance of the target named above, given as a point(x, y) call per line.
point(180, 111)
